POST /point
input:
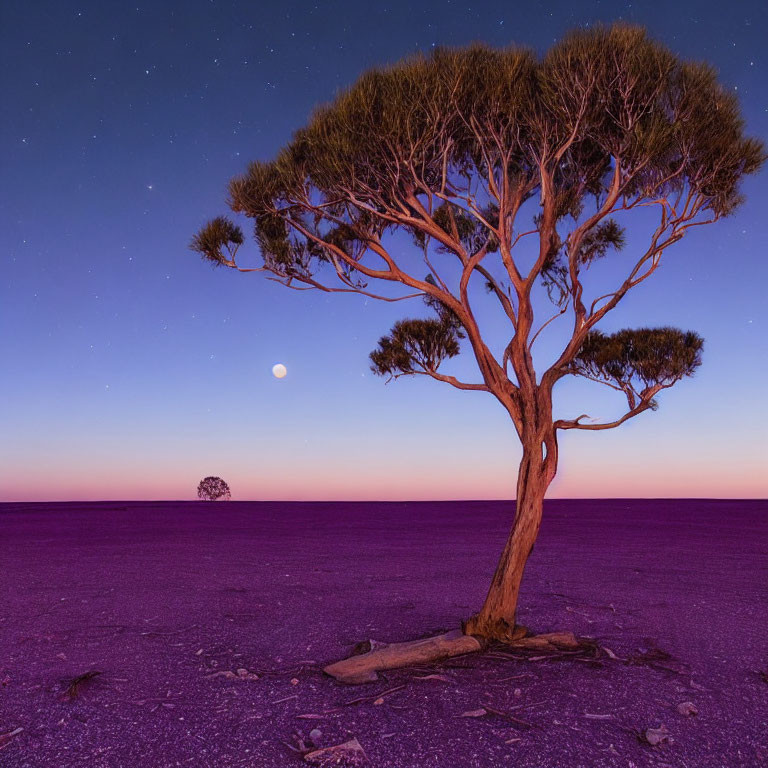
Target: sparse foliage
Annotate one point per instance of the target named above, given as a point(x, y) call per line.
point(509, 173)
point(212, 489)
point(218, 241)
point(639, 362)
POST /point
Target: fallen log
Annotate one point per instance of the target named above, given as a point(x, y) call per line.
point(364, 668)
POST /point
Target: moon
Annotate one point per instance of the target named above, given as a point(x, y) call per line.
point(279, 371)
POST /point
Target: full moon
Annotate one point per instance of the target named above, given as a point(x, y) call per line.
point(279, 371)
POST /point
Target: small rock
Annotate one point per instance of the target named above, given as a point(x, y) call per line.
point(294, 681)
point(244, 674)
point(518, 693)
point(378, 702)
point(315, 735)
point(656, 736)
point(687, 708)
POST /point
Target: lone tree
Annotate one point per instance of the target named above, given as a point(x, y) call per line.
point(212, 489)
point(483, 174)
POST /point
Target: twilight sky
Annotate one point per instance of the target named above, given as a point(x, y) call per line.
point(131, 369)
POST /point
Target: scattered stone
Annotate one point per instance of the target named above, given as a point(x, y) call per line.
point(350, 754)
point(294, 681)
point(518, 693)
point(315, 735)
point(687, 708)
point(656, 736)
point(378, 702)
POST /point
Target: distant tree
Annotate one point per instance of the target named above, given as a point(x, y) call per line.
point(511, 175)
point(213, 489)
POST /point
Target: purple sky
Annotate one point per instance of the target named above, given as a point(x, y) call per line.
point(131, 369)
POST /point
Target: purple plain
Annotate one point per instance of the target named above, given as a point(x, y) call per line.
point(159, 596)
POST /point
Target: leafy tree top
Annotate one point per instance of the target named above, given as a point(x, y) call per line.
point(213, 488)
point(454, 150)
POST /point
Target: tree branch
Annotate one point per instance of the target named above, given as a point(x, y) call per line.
point(574, 423)
point(453, 381)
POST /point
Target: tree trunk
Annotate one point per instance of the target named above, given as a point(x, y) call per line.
point(496, 619)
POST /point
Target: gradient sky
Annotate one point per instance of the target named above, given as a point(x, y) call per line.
point(130, 369)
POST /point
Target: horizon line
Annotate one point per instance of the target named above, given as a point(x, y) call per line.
point(376, 501)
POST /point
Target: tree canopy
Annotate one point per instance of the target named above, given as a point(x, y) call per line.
point(448, 149)
point(213, 488)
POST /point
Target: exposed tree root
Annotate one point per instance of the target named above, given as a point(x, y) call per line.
point(548, 643)
point(364, 668)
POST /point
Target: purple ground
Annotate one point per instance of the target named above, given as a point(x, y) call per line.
point(158, 596)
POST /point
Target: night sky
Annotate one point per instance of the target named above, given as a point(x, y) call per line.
point(131, 369)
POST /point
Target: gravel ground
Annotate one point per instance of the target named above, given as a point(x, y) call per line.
point(157, 597)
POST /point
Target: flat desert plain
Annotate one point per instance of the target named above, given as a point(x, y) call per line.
point(157, 598)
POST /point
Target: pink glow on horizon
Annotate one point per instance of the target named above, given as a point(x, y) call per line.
point(330, 468)
point(572, 482)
